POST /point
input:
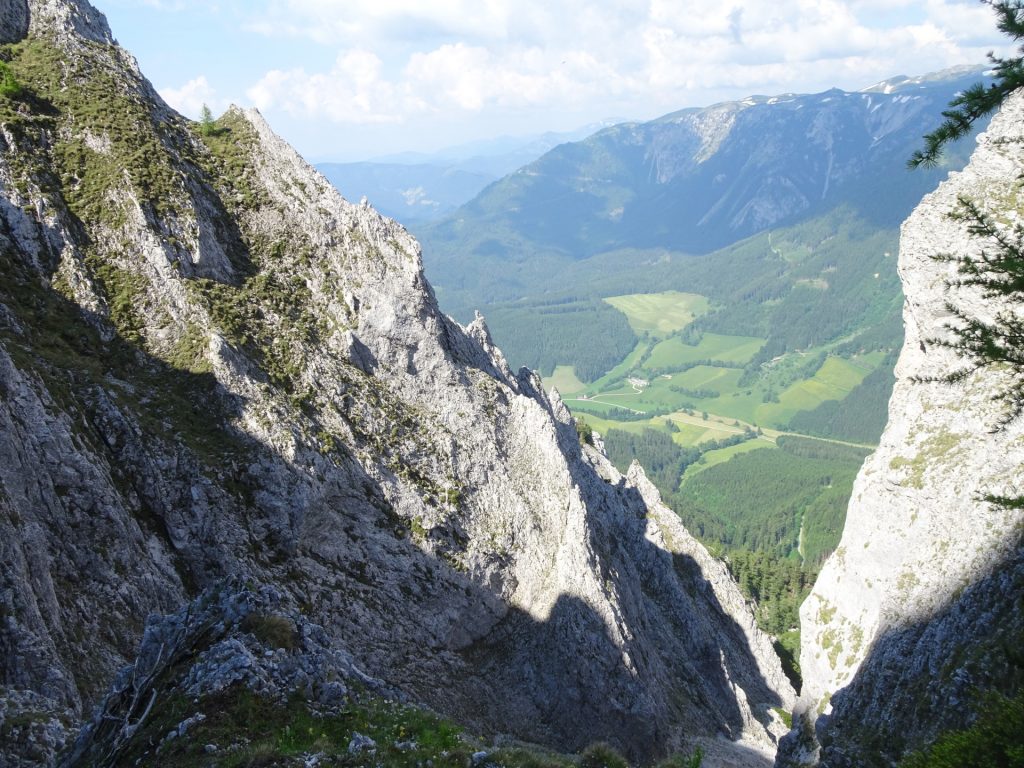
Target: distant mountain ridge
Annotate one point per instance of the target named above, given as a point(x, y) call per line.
point(407, 193)
point(697, 180)
point(415, 187)
point(499, 155)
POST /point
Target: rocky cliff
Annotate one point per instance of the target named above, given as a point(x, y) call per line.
point(214, 369)
point(917, 614)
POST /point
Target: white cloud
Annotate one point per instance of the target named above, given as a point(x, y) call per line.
point(403, 58)
point(473, 78)
point(190, 98)
point(352, 91)
point(165, 5)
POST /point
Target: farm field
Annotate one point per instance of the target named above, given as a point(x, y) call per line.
point(704, 412)
point(721, 391)
point(687, 432)
point(722, 455)
point(565, 381)
point(664, 374)
point(660, 313)
point(713, 346)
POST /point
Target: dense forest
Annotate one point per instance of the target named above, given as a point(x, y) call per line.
point(759, 500)
point(778, 586)
point(548, 334)
point(763, 499)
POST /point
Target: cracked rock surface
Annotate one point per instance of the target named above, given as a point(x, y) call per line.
point(213, 368)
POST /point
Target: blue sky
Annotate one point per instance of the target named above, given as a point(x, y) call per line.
point(353, 79)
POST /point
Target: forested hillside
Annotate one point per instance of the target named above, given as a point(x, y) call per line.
point(689, 183)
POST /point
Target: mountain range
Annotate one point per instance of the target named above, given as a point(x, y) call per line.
point(263, 503)
point(692, 182)
point(417, 187)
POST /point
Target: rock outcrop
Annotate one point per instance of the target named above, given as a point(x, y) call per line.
point(214, 367)
point(918, 611)
point(13, 21)
point(228, 638)
point(69, 21)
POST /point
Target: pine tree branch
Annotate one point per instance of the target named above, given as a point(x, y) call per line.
point(978, 100)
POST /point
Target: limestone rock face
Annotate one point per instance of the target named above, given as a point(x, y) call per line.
point(14, 21)
point(213, 367)
point(69, 19)
point(902, 624)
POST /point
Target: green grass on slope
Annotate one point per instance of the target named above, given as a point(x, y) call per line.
point(714, 458)
point(798, 383)
point(673, 352)
point(285, 733)
point(660, 313)
point(565, 381)
point(248, 731)
point(860, 416)
point(836, 379)
point(994, 740)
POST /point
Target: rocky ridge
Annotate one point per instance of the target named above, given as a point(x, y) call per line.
point(214, 367)
point(913, 617)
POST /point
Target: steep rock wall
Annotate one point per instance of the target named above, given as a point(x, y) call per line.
point(903, 627)
point(14, 21)
point(213, 366)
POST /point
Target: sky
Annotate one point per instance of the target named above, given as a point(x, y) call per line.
point(349, 80)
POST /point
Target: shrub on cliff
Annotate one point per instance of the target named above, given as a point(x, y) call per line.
point(602, 755)
point(9, 86)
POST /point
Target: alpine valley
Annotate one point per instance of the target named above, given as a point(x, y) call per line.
point(716, 292)
point(263, 503)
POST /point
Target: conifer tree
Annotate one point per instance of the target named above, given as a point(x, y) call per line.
point(999, 272)
point(206, 125)
point(978, 101)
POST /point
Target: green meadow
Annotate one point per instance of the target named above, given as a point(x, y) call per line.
point(712, 346)
point(722, 455)
point(660, 313)
point(565, 381)
point(721, 391)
